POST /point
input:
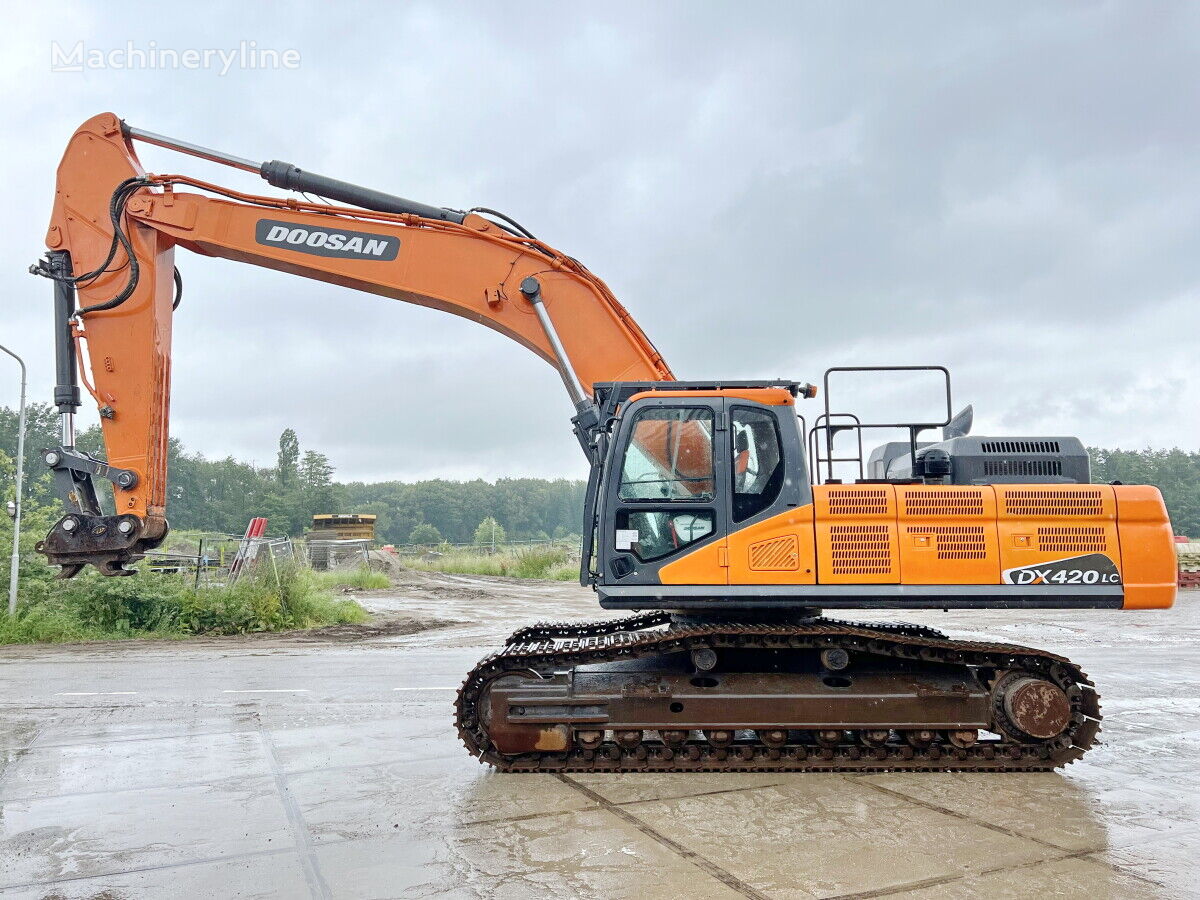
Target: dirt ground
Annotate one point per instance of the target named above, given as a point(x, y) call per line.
point(325, 764)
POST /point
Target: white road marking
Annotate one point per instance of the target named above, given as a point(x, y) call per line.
point(270, 691)
point(437, 688)
point(95, 693)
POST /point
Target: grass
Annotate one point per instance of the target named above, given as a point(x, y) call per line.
point(361, 578)
point(547, 563)
point(93, 607)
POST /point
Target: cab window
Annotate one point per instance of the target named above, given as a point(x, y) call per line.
point(756, 466)
point(653, 534)
point(669, 456)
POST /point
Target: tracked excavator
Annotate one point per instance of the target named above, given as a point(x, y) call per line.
point(714, 516)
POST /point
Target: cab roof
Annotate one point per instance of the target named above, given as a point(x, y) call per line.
point(611, 394)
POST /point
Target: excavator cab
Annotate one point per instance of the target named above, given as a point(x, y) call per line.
point(688, 464)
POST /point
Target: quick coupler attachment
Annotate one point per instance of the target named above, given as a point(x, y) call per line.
point(110, 543)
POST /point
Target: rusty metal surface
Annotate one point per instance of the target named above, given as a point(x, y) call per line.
point(932, 723)
point(1034, 706)
point(950, 700)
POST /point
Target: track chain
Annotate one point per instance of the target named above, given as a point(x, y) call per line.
point(644, 621)
point(908, 629)
point(595, 628)
point(552, 647)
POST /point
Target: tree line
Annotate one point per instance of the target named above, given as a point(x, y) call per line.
point(224, 494)
point(1174, 472)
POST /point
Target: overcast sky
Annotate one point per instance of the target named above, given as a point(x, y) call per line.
point(771, 189)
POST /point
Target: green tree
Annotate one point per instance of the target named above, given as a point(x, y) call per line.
point(36, 518)
point(41, 431)
point(425, 535)
point(316, 471)
point(288, 459)
point(316, 476)
point(223, 494)
point(1175, 472)
point(489, 533)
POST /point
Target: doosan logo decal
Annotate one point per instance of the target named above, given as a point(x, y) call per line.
point(1092, 568)
point(319, 241)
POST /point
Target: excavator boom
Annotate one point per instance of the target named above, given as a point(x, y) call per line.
point(112, 240)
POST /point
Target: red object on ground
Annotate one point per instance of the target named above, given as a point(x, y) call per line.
point(256, 529)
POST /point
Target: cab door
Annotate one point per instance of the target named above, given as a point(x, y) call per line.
point(665, 498)
point(771, 537)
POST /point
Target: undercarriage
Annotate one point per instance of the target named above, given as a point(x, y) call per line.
point(658, 693)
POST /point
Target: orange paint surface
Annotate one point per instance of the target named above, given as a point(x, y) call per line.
point(947, 534)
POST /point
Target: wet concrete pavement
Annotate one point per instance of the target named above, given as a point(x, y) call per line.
point(328, 767)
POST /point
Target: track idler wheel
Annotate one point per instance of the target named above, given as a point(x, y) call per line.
point(1031, 707)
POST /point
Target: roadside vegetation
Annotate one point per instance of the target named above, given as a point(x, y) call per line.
point(93, 608)
point(361, 579)
point(149, 605)
point(550, 563)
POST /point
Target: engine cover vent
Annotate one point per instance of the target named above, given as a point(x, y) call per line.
point(1067, 539)
point(1021, 447)
point(1033, 468)
point(860, 549)
point(955, 541)
point(1053, 503)
point(870, 502)
point(943, 502)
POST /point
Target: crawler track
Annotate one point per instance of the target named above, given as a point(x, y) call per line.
point(541, 630)
point(547, 648)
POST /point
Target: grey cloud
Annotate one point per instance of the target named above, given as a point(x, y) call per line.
point(770, 188)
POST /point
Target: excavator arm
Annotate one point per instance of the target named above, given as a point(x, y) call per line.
point(112, 241)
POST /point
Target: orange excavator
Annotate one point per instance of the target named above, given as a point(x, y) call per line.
point(706, 513)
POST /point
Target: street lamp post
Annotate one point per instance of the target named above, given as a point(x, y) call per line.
point(16, 547)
